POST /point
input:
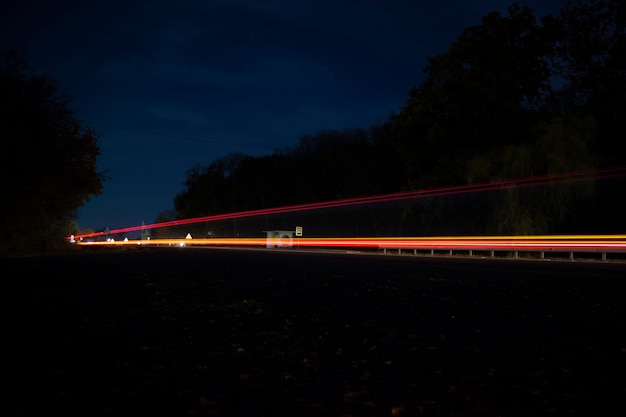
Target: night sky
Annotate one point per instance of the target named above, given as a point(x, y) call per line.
point(170, 85)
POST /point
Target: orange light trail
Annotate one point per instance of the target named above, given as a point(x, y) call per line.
point(564, 243)
point(596, 174)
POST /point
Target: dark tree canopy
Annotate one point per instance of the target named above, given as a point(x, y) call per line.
point(515, 96)
point(592, 61)
point(48, 159)
point(485, 92)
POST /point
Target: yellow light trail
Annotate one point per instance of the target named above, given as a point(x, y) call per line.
point(587, 243)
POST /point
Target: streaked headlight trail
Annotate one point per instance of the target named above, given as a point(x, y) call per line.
point(564, 243)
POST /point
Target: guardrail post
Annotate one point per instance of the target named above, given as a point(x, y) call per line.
point(571, 256)
point(604, 256)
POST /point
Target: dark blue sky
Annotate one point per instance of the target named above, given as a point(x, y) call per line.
point(173, 84)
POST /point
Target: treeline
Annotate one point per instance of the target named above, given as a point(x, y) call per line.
point(516, 96)
point(48, 159)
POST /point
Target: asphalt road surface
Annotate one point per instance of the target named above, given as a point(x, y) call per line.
point(266, 332)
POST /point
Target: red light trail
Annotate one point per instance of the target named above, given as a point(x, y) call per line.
point(556, 243)
point(577, 176)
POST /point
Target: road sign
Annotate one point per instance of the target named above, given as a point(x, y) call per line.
point(299, 231)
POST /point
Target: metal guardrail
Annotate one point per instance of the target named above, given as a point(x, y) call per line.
point(525, 247)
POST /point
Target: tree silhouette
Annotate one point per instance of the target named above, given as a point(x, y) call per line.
point(48, 159)
point(513, 97)
point(485, 92)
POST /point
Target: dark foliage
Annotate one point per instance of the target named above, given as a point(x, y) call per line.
point(48, 160)
point(513, 97)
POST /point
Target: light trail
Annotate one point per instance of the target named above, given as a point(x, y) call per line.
point(584, 175)
point(555, 243)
